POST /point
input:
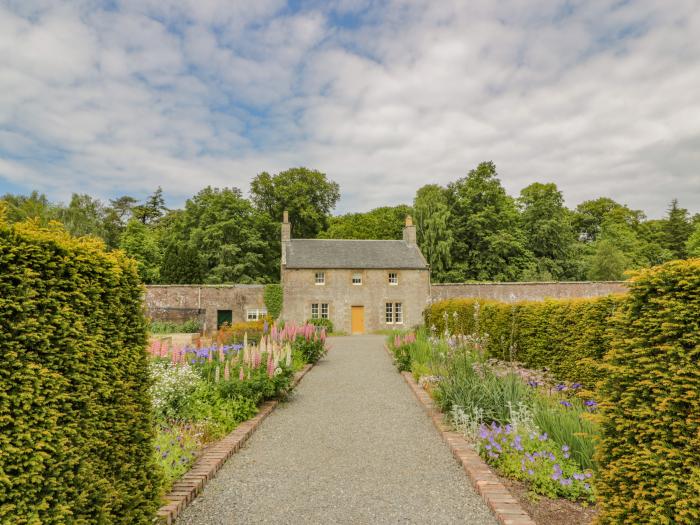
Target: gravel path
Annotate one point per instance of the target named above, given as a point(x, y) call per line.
point(350, 446)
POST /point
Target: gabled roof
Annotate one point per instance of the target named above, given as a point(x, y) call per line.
point(352, 254)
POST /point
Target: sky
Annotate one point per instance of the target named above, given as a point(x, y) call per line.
point(122, 96)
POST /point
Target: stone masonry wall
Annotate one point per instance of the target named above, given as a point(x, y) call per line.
point(179, 302)
point(300, 290)
point(514, 292)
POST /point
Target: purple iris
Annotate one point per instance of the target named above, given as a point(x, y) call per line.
point(560, 387)
point(565, 403)
point(576, 386)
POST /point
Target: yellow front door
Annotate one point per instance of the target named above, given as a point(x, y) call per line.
point(358, 319)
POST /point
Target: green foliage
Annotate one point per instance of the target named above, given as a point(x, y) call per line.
point(190, 326)
point(307, 194)
point(322, 323)
point(433, 228)
point(141, 243)
point(181, 264)
point(547, 228)
point(488, 242)
point(650, 450)
point(677, 229)
point(274, 300)
point(151, 210)
point(175, 451)
point(311, 349)
point(75, 427)
point(546, 466)
point(229, 236)
point(386, 222)
point(693, 244)
point(566, 336)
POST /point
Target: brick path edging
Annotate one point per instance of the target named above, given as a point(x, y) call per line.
point(502, 503)
point(188, 487)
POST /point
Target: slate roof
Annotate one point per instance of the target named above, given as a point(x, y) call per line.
point(353, 254)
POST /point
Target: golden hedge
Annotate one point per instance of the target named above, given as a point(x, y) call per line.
point(650, 452)
point(75, 431)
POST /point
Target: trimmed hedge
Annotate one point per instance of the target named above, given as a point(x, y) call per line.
point(650, 450)
point(566, 336)
point(76, 436)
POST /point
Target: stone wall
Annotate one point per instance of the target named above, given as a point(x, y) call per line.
point(300, 291)
point(513, 292)
point(180, 302)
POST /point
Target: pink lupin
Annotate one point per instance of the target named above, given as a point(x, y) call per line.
point(241, 374)
point(227, 372)
point(221, 353)
point(323, 334)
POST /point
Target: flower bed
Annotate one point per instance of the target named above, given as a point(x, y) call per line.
point(202, 393)
point(523, 423)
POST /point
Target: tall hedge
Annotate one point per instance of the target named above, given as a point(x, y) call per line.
point(566, 336)
point(75, 431)
point(650, 452)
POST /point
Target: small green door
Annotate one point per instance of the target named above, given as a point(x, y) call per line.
point(223, 316)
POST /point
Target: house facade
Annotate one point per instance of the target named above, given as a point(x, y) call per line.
point(360, 285)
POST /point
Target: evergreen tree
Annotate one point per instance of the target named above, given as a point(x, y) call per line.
point(678, 228)
point(141, 243)
point(152, 210)
point(181, 265)
point(692, 246)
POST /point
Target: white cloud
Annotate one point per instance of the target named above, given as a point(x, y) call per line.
point(599, 97)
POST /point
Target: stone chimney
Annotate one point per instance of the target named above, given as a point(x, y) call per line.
point(286, 227)
point(409, 232)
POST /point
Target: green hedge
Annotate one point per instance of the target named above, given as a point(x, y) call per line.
point(566, 336)
point(650, 450)
point(76, 436)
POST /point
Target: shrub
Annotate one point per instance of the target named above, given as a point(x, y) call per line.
point(322, 323)
point(171, 388)
point(274, 299)
point(76, 436)
point(170, 327)
point(566, 336)
point(312, 350)
point(650, 451)
point(236, 332)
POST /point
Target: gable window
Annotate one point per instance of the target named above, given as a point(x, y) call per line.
point(393, 313)
point(317, 308)
point(320, 278)
point(393, 278)
point(254, 314)
point(357, 278)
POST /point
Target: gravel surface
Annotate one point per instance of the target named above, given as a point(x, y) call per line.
point(351, 445)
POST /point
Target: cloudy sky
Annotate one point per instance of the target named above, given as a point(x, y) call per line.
point(121, 96)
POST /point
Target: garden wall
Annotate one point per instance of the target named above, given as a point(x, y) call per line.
point(182, 302)
point(536, 291)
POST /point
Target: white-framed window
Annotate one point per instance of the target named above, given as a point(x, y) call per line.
point(317, 308)
point(393, 313)
point(393, 278)
point(324, 310)
point(255, 314)
point(320, 278)
point(314, 310)
point(357, 278)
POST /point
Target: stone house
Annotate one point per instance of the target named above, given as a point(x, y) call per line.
point(360, 285)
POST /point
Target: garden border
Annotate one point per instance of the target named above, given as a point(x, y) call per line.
point(504, 506)
point(191, 484)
